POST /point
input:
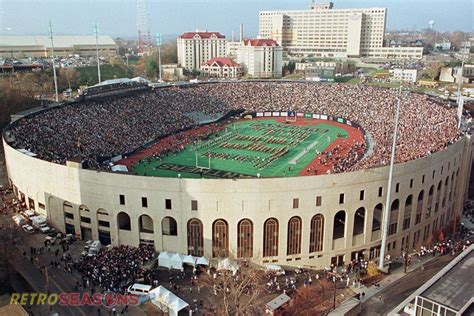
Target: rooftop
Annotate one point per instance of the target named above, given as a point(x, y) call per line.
point(207, 35)
point(260, 42)
point(60, 41)
point(221, 61)
point(454, 288)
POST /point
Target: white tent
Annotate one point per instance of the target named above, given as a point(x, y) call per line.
point(176, 261)
point(227, 264)
point(190, 260)
point(166, 301)
point(202, 261)
point(121, 168)
point(164, 260)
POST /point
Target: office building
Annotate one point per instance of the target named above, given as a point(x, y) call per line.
point(323, 31)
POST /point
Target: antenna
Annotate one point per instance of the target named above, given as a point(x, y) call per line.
point(143, 25)
point(52, 56)
point(96, 32)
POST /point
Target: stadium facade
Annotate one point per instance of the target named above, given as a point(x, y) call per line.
point(13, 46)
point(297, 221)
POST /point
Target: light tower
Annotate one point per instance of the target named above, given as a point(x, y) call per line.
point(96, 32)
point(52, 57)
point(143, 25)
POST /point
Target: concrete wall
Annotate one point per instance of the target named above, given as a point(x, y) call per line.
point(256, 199)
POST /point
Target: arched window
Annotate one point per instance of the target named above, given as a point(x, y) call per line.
point(316, 233)
point(245, 239)
point(83, 208)
point(270, 238)
point(339, 225)
point(419, 207)
point(145, 224)
point(220, 239)
point(169, 226)
point(294, 236)
point(195, 238)
point(395, 207)
point(123, 221)
point(407, 212)
point(359, 221)
point(377, 219)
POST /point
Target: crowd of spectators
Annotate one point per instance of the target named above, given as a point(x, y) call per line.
point(94, 129)
point(114, 269)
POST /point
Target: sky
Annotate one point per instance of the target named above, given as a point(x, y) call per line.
point(118, 18)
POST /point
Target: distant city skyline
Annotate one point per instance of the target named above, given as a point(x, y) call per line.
point(118, 17)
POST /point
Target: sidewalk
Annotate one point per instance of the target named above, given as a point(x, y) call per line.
point(397, 273)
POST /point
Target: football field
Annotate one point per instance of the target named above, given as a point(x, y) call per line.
point(247, 148)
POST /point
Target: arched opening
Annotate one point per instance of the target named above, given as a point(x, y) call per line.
point(438, 195)
point(123, 221)
point(316, 233)
point(430, 195)
point(394, 209)
point(169, 226)
point(270, 238)
point(83, 208)
point(339, 225)
point(245, 239)
point(419, 207)
point(220, 239)
point(445, 197)
point(377, 219)
point(407, 212)
point(145, 224)
point(359, 221)
point(195, 238)
point(103, 226)
point(294, 236)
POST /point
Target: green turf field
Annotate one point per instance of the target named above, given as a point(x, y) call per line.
point(245, 149)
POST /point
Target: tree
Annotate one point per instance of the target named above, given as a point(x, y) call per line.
point(70, 75)
point(291, 66)
point(238, 293)
point(151, 67)
point(432, 71)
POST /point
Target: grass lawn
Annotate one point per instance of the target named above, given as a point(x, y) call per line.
point(247, 148)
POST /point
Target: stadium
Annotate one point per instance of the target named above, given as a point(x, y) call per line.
point(293, 173)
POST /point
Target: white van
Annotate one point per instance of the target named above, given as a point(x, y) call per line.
point(19, 220)
point(94, 248)
point(139, 289)
point(275, 269)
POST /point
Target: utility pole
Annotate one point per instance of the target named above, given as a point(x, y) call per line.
point(96, 32)
point(52, 56)
point(386, 215)
point(158, 44)
point(406, 252)
point(335, 290)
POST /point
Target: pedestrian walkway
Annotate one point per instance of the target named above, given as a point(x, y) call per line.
point(399, 272)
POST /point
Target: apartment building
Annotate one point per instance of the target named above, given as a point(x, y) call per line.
point(261, 58)
point(323, 31)
point(196, 48)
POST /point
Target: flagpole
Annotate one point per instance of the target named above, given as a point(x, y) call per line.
point(386, 215)
point(459, 98)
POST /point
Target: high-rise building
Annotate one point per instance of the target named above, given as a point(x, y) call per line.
point(323, 31)
point(196, 48)
point(261, 58)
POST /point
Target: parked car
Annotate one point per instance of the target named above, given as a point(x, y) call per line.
point(28, 229)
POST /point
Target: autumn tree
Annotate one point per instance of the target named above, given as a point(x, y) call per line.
point(238, 293)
